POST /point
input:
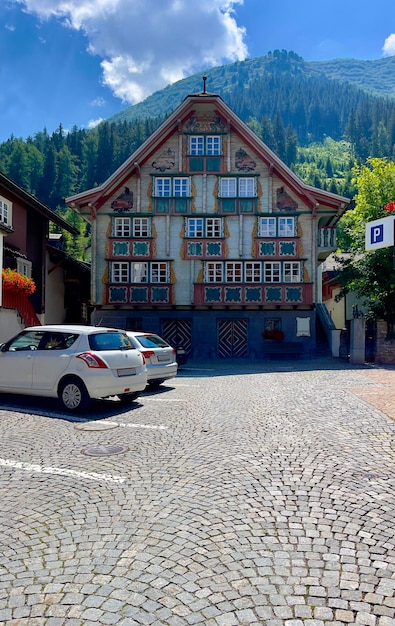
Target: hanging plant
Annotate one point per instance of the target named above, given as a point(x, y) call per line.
point(14, 281)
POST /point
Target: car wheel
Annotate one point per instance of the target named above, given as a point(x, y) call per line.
point(155, 383)
point(128, 398)
point(73, 395)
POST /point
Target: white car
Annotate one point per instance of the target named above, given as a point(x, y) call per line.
point(74, 363)
point(160, 357)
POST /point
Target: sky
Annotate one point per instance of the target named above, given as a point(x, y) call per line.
point(77, 62)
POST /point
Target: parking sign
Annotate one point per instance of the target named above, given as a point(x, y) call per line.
point(379, 233)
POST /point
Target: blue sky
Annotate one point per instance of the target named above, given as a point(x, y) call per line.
point(76, 62)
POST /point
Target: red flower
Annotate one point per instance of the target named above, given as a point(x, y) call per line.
point(390, 206)
point(14, 281)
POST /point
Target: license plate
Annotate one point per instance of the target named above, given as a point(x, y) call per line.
point(163, 357)
point(127, 371)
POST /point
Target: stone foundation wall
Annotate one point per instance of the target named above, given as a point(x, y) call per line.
point(385, 352)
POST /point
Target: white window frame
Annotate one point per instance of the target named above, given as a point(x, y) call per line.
point(159, 271)
point(172, 187)
point(234, 271)
point(23, 266)
point(5, 211)
point(247, 187)
point(252, 272)
point(120, 272)
point(286, 227)
point(214, 272)
point(195, 227)
point(228, 187)
point(141, 227)
point(214, 227)
point(291, 272)
point(205, 145)
point(272, 271)
point(139, 272)
point(267, 227)
point(238, 187)
point(121, 227)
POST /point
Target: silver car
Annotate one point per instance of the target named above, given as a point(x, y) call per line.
point(160, 357)
point(74, 363)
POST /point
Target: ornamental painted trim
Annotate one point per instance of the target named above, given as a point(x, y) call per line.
point(205, 124)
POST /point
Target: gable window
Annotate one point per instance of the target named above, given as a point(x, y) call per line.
point(204, 152)
point(234, 273)
point(159, 272)
point(209, 227)
point(5, 211)
point(238, 194)
point(286, 227)
point(172, 194)
point(291, 272)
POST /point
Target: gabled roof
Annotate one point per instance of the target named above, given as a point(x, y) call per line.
point(96, 197)
point(35, 204)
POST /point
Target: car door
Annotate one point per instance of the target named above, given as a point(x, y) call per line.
point(53, 359)
point(17, 360)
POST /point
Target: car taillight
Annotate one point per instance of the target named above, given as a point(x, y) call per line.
point(174, 352)
point(92, 360)
point(148, 353)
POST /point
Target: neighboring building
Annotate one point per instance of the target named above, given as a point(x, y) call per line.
point(24, 227)
point(204, 236)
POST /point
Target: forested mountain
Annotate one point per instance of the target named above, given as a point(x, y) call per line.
point(319, 117)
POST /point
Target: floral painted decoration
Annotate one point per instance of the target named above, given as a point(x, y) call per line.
point(275, 334)
point(14, 281)
point(390, 207)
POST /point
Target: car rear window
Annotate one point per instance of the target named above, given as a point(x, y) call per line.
point(110, 341)
point(152, 341)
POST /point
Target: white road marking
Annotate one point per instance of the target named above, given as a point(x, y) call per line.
point(41, 469)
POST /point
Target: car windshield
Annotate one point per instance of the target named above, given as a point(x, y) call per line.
point(110, 340)
point(152, 341)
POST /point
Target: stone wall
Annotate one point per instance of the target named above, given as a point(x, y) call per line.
point(385, 351)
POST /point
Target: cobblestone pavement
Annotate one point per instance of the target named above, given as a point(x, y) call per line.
point(247, 494)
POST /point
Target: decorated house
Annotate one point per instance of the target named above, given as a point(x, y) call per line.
point(206, 237)
point(34, 281)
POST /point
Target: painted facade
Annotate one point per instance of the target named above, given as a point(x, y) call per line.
point(204, 236)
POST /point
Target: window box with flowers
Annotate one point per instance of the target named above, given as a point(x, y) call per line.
point(273, 334)
point(17, 283)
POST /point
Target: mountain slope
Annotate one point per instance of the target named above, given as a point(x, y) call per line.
point(376, 78)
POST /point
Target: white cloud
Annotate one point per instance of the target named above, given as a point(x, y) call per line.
point(389, 46)
point(98, 102)
point(93, 123)
point(147, 44)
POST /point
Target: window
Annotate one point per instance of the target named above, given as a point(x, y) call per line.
point(209, 227)
point(238, 187)
point(205, 145)
point(272, 271)
point(253, 272)
point(234, 272)
point(120, 272)
point(267, 227)
point(172, 194)
point(214, 272)
point(121, 227)
point(141, 227)
point(5, 211)
point(24, 267)
point(204, 152)
point(139, 272)
point(159, 272)
point(291, 272)
point(272, 324)
point(286, 227)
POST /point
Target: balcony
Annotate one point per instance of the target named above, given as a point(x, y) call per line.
point(326, 241)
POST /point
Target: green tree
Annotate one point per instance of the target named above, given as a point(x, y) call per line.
point(370, 275)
